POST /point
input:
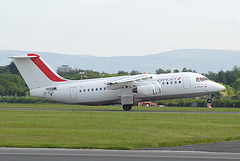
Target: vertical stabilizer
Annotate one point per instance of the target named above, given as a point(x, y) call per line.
point(36, 72)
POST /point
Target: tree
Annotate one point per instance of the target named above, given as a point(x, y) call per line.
point(160, 71)
point(184, 69)
point(236, 86)
point(211, 75)
point(221, 77)
point(176, 71)
point(11, 85)
point(122, 73)
point(2, 69)
point(187, 70)
point(228, 92)
point(134, 72)
point(2, 90)
point(12, 68)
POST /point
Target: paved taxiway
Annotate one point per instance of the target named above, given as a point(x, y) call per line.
point(27, 154)
point(229, 147)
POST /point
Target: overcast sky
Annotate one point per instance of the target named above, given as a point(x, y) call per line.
point(118, 27)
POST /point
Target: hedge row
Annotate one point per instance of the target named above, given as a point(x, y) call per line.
point(11, 99)
point(175, 102)
point(200, 103)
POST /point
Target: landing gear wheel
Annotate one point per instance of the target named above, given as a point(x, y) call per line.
point(209, 101)
point(127, 107)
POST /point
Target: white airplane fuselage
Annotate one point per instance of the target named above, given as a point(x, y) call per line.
point(97, 92)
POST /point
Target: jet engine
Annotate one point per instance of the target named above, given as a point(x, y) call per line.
point(148, 89)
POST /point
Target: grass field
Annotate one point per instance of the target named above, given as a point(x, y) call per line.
point(135, 108)
point(114, 130)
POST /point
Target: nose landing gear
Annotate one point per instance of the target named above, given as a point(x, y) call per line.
point(209, 101)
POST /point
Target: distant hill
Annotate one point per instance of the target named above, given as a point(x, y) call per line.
point(201, 60)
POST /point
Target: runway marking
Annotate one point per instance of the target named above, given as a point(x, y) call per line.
point(132, 156)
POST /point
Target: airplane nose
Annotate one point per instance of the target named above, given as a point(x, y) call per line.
point(220, 87)
point(215, 87)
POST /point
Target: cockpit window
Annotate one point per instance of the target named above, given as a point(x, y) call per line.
point(205, 78)
point(201, 79)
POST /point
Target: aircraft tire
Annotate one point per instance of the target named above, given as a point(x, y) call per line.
point(127, 107)
point(209, 101)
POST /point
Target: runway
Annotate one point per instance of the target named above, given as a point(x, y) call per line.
point(27, 154)
point(229, 147)
point(132, 111)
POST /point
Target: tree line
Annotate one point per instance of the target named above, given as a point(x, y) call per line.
point(12, 84)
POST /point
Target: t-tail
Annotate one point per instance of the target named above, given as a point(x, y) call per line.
point(36, 72)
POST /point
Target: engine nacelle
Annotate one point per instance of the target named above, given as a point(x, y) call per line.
point(149, 89)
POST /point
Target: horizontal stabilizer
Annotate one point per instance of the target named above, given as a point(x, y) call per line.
point(21, 57)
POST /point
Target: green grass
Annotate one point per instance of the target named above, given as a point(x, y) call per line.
point(135, 108)
point(112, 130)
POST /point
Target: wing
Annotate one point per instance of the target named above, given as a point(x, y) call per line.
point(115, 84)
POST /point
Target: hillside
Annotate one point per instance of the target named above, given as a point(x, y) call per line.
point(201, 60)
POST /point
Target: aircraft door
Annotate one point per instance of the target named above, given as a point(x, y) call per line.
point(73, 92)
point(186, 83)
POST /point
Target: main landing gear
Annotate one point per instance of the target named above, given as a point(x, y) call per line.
point(127, 107)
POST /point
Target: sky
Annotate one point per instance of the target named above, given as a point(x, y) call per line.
point(119, 27)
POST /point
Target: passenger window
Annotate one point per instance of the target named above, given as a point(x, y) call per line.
point(80, 90)
point(162, 83)
point(180, 82)
point(88, 90)
point(167, 83)
point(171, 82)
point(104, 88)
point(84, 90)
point(92, 89)
point(175, 82)
point(96, 89)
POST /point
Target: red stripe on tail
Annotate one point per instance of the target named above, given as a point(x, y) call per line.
point(45, 69)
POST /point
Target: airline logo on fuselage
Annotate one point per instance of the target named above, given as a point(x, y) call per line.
point(169, 79)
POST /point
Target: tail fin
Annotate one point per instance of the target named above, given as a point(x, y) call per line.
point(36, 72)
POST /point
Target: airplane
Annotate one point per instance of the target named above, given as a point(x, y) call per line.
point(44, 82)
